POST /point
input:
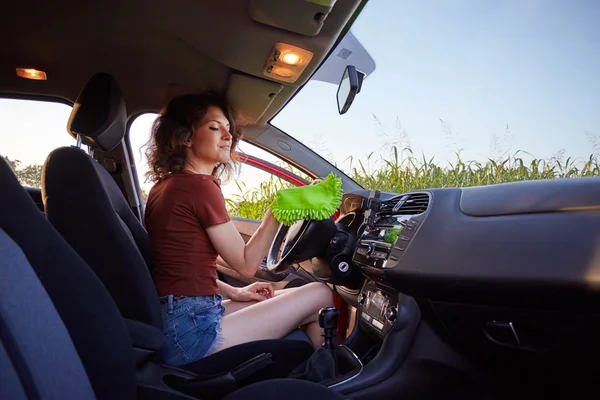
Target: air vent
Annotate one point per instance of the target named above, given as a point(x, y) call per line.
point(413, 203)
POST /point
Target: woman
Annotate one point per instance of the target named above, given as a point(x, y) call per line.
point(193, 143)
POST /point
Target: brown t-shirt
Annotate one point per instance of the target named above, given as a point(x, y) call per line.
point(179, 209)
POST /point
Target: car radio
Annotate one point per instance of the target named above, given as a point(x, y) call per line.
point(385, 241)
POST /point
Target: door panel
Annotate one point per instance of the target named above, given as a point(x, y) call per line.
point(246, 227)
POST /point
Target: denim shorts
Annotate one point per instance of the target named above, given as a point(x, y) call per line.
point(192, 327)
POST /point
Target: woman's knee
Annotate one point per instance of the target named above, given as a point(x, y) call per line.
point(321, 293)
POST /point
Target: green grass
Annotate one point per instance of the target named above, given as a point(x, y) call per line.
point(254, 203)
point(403, 172)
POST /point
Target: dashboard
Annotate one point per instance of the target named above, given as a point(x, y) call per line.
point(522, 243)
point(508, 275)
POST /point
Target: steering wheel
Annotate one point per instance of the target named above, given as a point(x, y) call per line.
point(301, 241)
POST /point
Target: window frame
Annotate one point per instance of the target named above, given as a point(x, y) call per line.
point(37, 97)
point(273, 169)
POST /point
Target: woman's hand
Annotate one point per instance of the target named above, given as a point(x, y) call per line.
point(258, 291)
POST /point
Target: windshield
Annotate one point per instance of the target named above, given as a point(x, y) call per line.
point(463, 93)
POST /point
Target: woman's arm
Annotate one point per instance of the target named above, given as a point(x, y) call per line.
point(225, 289)
point(244, 258)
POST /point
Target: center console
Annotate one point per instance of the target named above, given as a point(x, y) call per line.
point(379, 248)
point(386, 234)
point(386, 323)
point(377, 309)
point(386, 320)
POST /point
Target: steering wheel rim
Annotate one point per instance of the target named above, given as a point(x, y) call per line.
point(307, 240)
point(277, 263)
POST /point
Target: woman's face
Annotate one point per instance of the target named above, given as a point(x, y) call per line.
point(211, 143)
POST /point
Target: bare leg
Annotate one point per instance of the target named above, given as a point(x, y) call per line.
point(276, 317)
point(235, 306)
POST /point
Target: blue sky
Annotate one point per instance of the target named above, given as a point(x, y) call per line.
point(479, 66)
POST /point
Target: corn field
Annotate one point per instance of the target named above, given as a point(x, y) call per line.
point(403, 172)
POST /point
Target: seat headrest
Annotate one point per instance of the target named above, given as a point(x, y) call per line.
point(99, 115)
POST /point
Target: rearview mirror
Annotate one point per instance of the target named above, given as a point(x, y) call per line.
point(349, 87)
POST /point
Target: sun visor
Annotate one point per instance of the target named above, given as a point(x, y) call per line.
point(305, 17)
point(250, 97)
point(348, 52)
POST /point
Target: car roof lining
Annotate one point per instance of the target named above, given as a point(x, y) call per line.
point(156, 51)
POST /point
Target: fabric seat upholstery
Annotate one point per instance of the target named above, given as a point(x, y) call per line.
point(32, 367)
point(90, 315)
point(86, 206)
point(84, 203)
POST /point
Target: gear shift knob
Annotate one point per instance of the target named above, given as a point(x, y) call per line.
point(328, 318)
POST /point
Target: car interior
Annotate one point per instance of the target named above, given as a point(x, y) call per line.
point(440, 293)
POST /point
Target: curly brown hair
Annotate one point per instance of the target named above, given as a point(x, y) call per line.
point(176, 125)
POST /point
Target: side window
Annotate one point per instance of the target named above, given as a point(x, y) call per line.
point(139, 134)
point(252, 189)
point(247, 193)
point(29, 131)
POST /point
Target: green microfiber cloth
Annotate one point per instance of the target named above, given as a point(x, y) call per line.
point(316, 202)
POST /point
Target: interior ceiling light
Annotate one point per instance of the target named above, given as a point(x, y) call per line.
point(283, 72)
point(286, 62)
point(291, 59)
point(31, 73)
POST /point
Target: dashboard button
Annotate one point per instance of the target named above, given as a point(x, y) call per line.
point(377, 324)
point(379, 254)
point(391, 314)
point(411, 225)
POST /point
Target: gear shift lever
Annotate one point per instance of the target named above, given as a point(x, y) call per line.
point(328, 318)
point(322, 365)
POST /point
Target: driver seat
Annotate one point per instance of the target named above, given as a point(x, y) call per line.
point(84, 203)
point(62, 337)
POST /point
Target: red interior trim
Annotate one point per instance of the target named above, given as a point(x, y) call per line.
point(342, 307)
point(277, 172)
